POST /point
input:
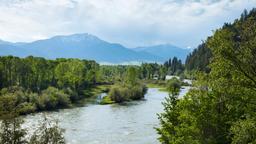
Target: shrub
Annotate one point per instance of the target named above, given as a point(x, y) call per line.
point(72, 94)
point(52, 98)
point(118, 94)
point(173, 86)
point(106, 100)
point(121, 93)
point(26, 108)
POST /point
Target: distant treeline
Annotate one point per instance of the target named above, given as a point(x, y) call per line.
point(37, 74)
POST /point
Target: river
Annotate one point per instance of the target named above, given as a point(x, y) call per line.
point(130, 123)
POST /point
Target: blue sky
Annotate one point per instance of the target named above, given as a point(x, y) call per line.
point(184, 23)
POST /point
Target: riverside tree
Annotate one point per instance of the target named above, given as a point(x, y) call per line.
point(11, 131)
point(221, 109)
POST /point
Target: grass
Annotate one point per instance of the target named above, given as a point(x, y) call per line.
point(152, 85)
point(163, 90)
point(106, 100)
point(156, 84)
point(96, 90)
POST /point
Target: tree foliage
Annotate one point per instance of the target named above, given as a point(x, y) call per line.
point(221, 109)
point(11, 131)
point(199, 59)
point(129, 89)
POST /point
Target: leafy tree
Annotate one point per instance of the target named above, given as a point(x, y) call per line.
point(173, 86)
point(174, 66)
point(131, 76)
point(221, 109)
point(70, 73)
point(11, 131)
point(48, 133)
point(168, 119)
point(199, 59)
point(244, 131)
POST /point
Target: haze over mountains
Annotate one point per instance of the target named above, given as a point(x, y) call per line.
point(86, 46)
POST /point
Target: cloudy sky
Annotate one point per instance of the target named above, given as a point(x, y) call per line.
point(130, 22)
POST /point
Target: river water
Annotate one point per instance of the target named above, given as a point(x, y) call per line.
point(130, 123)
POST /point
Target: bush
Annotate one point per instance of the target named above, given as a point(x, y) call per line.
point(118, 94)
point(27, 102)
point(173, 86)
point(106, 100)
point(121, 93)
point(52, 98)
point(26, 108)
point(73, 95)
point(18, 92)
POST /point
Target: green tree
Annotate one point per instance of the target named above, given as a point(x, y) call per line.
point(10, 127)
point(70, 74)
point(48, 133)
point(244, 131)
point(131, 76)
point(221, 108)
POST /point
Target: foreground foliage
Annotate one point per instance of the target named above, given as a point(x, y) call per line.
point(11, 131)
point(221, 109)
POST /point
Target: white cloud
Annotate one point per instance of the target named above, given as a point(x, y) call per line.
point(132, 23)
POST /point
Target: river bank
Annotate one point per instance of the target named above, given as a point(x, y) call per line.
point(129, 123)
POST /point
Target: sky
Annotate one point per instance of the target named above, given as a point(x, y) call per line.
point(132, 23)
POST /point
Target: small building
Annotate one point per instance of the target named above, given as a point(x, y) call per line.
point(188, 81)
point(155, 76)
point(168, 77)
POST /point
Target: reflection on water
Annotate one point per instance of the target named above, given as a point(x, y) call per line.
point(131, 123)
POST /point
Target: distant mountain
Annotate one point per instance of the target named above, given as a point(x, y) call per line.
point(86, 46)
point(4, 42)
point(9, 49)
point(83, 46)
point(165, 51)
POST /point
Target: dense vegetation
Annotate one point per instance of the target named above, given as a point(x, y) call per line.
point(146, 71)
point(130, 88)
point(11, 131)
point(222, 107)
point(199, 59)
point(174, 66)
point(127, 79)
point(37, 74)
point(38, 84)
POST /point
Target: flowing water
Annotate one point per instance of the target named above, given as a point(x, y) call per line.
point(130, 123)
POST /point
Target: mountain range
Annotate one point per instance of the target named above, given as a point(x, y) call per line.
point(86, 46)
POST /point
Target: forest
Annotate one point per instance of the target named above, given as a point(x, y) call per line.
point(219, 109)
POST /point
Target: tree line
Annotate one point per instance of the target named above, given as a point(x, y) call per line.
point(38, 84)
point(37, 74)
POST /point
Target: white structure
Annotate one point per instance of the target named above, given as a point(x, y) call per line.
point(168, 77)
point(188, 81)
